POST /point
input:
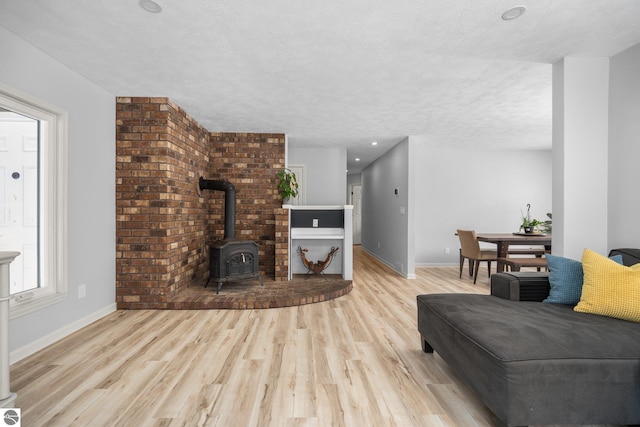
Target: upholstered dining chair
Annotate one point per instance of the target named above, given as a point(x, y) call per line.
point(470, 249)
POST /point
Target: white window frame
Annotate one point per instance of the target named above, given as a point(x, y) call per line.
point(53, 201)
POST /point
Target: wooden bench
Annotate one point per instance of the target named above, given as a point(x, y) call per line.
point(526, 251)
point(515, 264)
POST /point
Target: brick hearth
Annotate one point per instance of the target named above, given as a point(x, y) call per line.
point(249, 295)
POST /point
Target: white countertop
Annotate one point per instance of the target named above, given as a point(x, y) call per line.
point(317, 233)
point(318, 207)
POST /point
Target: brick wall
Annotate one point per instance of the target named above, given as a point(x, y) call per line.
point(163, 222)
point(160, 217)
point(282, 244)
point(250, 162)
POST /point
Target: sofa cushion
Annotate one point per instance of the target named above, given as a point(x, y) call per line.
point(609, 289)
point(566, 279)
point(517, 330)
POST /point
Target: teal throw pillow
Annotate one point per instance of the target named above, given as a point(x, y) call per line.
point(565, 279)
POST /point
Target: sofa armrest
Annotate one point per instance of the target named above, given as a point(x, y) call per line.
point(629, 256)
point(520, 286)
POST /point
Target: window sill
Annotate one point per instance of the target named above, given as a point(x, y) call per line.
point(21, 306)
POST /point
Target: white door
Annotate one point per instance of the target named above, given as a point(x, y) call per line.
point(356, 201)
point(19, 197)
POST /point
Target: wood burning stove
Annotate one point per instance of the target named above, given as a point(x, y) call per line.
point(230, 259)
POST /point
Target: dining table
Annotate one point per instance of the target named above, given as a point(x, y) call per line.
point(504, 240)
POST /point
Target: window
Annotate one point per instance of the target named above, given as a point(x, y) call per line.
point(33, 213)
point(19, 215)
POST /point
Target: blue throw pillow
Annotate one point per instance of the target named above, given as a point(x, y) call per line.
point(565, 279)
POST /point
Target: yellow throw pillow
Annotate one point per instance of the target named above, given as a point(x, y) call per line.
point(609, 289)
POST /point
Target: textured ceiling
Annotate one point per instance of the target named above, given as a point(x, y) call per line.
point(336, 72)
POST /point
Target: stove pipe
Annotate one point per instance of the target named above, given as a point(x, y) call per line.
point(229, 203)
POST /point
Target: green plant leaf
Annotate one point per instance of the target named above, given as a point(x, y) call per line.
point(287, 184)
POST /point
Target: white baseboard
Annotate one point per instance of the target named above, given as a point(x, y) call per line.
point(39, 344)
point(390, 265)
point(437, 264)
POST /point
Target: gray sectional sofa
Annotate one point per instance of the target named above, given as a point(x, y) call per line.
point(532, 362)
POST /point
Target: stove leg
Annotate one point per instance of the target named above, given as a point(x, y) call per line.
point(219, 286)
point(205, 285)
point(260, 280)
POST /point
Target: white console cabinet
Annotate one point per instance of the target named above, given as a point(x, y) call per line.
point(318, 229)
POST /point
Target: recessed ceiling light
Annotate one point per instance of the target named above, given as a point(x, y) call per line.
point(357, 159)
point(514, 12)
point(374, 143)
point(150, 6)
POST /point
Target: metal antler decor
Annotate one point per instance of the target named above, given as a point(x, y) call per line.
point(317, 267)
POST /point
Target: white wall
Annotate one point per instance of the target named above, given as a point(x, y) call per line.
point(624, 150)
point(326, 173)
point(580, 146)
point(91, 174)
point(474, 189)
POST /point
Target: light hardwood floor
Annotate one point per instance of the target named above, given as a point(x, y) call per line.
point(353, 361)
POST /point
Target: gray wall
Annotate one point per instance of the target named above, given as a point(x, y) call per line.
point(91, 191)
point(624, 150)
point(385, 228)
point(326, 173)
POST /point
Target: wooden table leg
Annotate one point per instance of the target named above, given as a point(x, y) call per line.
point(503, 249)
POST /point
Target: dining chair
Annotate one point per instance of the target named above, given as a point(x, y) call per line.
point(470, 249)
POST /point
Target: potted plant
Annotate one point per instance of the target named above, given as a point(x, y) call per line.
point(529, 224)
point(287, 184)
point(547, 224)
